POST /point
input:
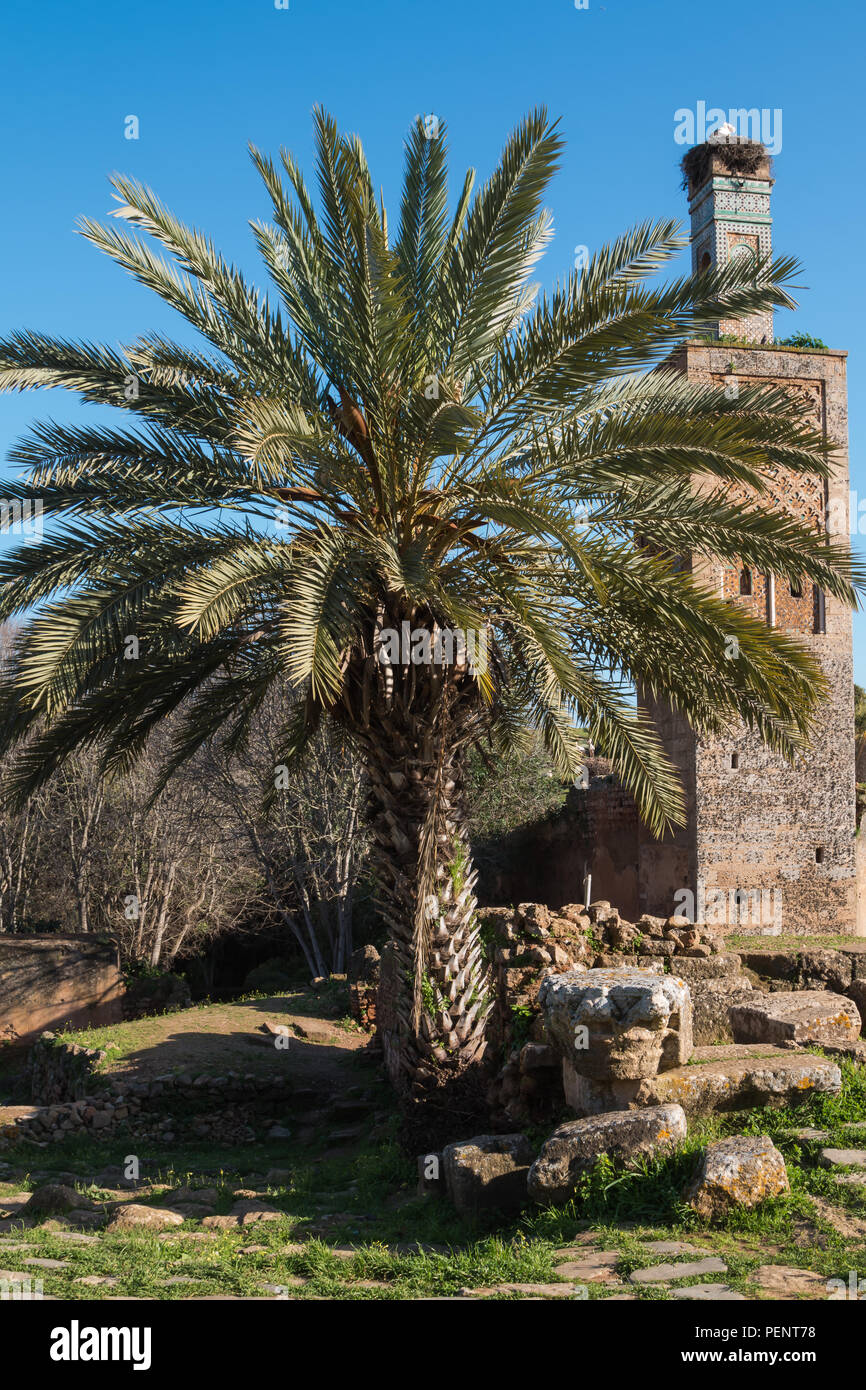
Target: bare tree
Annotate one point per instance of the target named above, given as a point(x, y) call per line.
point(310, 845)
point(176, 877)
point(22, 836)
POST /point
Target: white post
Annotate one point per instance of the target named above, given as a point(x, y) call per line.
point(771, 600)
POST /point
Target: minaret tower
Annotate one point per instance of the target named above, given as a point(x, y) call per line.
point(729, 187)
point(775, 837)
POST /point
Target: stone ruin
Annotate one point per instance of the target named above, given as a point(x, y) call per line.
point(52, 981)
point(634, 1029)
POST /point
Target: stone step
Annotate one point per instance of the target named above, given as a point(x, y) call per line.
point(802, 1016)
point(739, 1077)
point(709, 1293)
point(529, 1290)
point(843, 1158)
point(782, 1281)
point(672, 1247)
point(661, 1274)
point(595, 1267)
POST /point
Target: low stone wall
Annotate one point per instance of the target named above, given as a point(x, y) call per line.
point(61, 1071)
point(57, 981)
point(843, 971)
point(155, 1110)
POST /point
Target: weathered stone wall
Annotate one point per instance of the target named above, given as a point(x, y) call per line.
point(49, 982)
point(860, 865)
point(764, 824)
point(158, 1109)
point(596, 831)
point(667, 865)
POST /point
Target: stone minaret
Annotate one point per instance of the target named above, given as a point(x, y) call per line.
point(780, 836)
point(730, 217)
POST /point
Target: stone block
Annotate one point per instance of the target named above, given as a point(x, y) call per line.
point(711, 1007)
point(534, 918)
point(857, 991)
point(488, 1172)
point(843, 1158)
point(695, 970)
point(739, 1078)
point(56, 1197)
point(135, 1216)
point(575, 1147)
point(771, 965)
point(801, 1016)
point(857, 956)
point(708, 1293)
point(740, 1171)
point(659, 1274)
point(785, 1282)
point(825, 970)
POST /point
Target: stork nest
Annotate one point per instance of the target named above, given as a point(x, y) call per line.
point(738, 156)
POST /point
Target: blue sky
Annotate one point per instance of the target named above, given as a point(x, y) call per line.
point(206, 78)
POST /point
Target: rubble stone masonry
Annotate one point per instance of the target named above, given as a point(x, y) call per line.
point(756, 822)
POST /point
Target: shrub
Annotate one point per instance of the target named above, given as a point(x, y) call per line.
point(273, 976)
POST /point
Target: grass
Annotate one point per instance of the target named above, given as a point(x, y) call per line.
point(403, 1246)
point(742, 941)
point(365, 1200)
point(174, 1035)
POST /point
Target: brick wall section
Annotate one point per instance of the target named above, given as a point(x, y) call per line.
point(49, 982)
point(762, 824)
point(596, 830)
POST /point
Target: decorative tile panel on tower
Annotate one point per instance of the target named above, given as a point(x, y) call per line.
point(730, 217)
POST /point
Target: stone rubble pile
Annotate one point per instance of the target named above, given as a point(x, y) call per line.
point(528, 943)
point(601, 1016)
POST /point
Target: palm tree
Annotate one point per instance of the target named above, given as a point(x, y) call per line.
point(416, 437)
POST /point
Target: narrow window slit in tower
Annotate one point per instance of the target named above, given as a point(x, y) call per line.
point(820, 611)
point(745, 582)
point(735, 760)
point(819, 854)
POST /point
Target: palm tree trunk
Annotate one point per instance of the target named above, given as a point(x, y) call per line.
point(413, 732)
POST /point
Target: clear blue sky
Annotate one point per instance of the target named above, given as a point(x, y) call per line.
point(204, 77)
